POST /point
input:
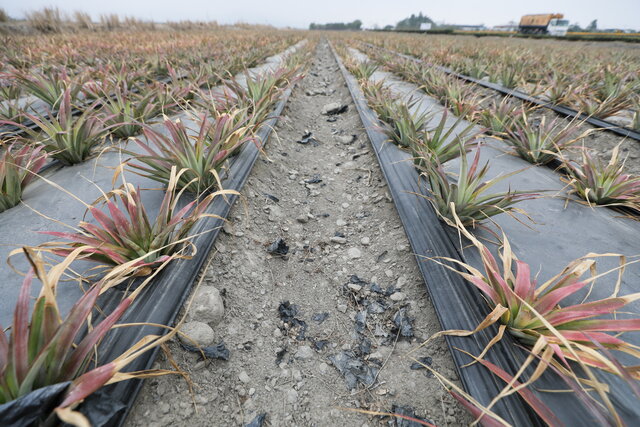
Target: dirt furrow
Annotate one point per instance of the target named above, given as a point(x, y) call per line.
point(323, 320)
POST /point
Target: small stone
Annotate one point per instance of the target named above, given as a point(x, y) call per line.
point(342, 308)
point(199, 332)
point(304, 352)
point(339, 240)
point(354, 287)
point(302, 219)
point(207, 305)
point(292, 395)
point(252, 391)
point(354, 253)
point(388, 273)
point(402, 280)
point(341, 223)
point(345, 205)
point(397, 296)
point(334, 108)
point(244, 377)
point(277, 333)
point(365, 241)
point(323, 367)
point(346, 139)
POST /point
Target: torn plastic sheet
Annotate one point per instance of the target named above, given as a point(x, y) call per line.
point(354, 370)
point(32, 408)
point(218, 351)
point(409, 413)
point(258, 421)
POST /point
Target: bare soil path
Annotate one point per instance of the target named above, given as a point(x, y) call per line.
point(328, 325)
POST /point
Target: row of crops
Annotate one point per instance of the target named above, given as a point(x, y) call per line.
point(600, 81)
point(570, 327)
point(137, 110)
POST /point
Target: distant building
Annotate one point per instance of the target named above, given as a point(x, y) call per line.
point(506, 28)
point(468, 27)
point(426, 26)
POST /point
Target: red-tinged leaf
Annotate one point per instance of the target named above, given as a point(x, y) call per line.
point(89, 382)
point(614, 325)
point(532, 400)
point(4, 351)
point(523, 286)
point(92, 338)
point(69, 330)
point(553, 298)
point(586, 310)
point(120, 221)
point(104, 220)
point(486, 420)
point(484, 287)
point(600, 336)
point(20, 329)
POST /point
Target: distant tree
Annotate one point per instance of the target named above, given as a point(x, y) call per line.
point(413, 22)
point(388, 27)
point(575, 28)
point(355, 25)
point(593, 26)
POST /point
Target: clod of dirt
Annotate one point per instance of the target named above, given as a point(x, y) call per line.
point(409, 413)
point(196, 332)
point(288, 313)
point(403, 322)
point(353, 369)
point(258, 421)
point(207, 305)
point(346, 139)
point(278, 247)
point(426, 360)
point(218, 351)
point(334, 108)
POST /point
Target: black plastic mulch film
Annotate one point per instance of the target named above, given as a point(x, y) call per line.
point(161, 302)
point(565, 111)
point(459, 305)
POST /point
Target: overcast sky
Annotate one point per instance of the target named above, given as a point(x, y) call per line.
point(299, 13)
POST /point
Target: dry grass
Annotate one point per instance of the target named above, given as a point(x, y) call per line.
point(47, 20)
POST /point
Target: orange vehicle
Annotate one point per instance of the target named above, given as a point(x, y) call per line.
point(546, 23)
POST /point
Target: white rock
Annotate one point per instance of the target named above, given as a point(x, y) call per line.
point(354, 287)
point(339, 240)
point(199, 332)
point(207, 305)
point(354, 253)
point(323, 367)
point(304, 352)
point(302, 219)
point(341, 223)
point(342, 308)
point(402, 280)
point(397, 296)
point(244, 377)
point(365, 241)
point(292, 395)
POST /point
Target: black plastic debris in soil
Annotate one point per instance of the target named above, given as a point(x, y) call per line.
point(353, 369)
point(278, 247)
point(308, 138)
point(34, 407)
point(408, 417)
point(403, 323)
point(320, 317)
point(315, 179)
point(271, 197)
point(288, 313)
point(218, 351)
point(258, 421)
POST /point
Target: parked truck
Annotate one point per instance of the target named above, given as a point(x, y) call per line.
point(547, 23)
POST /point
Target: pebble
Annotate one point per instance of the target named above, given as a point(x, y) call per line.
point(292, 395)
point(207, 305)
point(342, 308)
point(302, 219)
point(304, 352)
point(397, 296)
point(354, 253)
point(332, 108)
point(354, 287)
point(341, 223)
point(338, 239)
point(402, 280)
point(365, 241)
point(199, 332)
point(323, 368)
point(346, 139)
point(244, 377)
point(345, 205)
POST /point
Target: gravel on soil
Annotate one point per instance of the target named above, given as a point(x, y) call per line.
point(322, 298)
